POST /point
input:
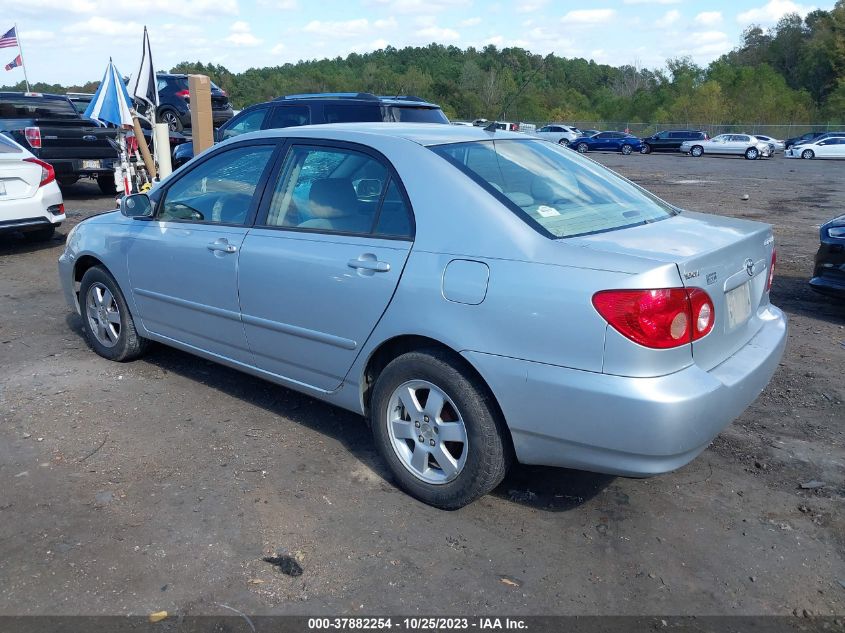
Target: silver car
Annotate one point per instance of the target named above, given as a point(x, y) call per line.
point(558, 133)
point(480, 296)
point(736, 144)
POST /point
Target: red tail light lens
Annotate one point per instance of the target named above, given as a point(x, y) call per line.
point(771, 278)
point(185, 94)
point(661, 319)
point(48, 174)
point(33, 137)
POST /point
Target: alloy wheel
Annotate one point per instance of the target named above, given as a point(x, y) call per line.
point(427, 432)
point(103, 315)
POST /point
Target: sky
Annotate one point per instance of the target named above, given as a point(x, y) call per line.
point(70, 41)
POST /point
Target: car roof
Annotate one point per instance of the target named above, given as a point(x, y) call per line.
point(358, 98)
point(32, 94)
point(426, 134)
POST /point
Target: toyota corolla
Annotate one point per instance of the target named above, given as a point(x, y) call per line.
point(479, 296)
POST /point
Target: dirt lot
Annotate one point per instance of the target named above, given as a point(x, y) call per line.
point(160, 484)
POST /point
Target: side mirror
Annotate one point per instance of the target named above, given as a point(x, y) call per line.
point(138, 205)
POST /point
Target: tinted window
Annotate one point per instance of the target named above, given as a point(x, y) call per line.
point(394, 219)
point(678, 135)
point(219, 189)
point(24, 107)
point(547, 129)
point(339, 113)
point(289, 116)
point(247, 122)
point(328, 189)
point(553, 188)
point(419, 115)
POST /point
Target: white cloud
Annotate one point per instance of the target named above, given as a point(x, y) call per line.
point(282, 5)
point(706, 44)
point(588, 16)
point(347, 28)
point(530, 6)
point(104, 26)
point(240, 27)
point(241, 35)
point(39, 36)
point(417, 6)
point(709, 18)
point(438, 34)
point(278, 49)
point(471, 22)
point(771, 12)
point(651, 1)
point(389, 23)
point(669, 18)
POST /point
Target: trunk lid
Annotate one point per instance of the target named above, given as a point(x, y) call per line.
point(74, 138)
point(726, 257)
point(18, 179)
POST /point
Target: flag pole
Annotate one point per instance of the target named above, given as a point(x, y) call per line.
point(23, 59)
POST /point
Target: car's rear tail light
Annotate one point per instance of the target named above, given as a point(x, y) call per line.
point(57, 209)
point(48, 174)
point(660, 318)
point(33, 137)
point(771, 278)
point(185, 94)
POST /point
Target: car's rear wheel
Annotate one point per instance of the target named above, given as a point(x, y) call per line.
point(106, 184)
point(106, 320)
point(40, 235)
point(752, 153)
point(808, 154)
point(645, 149)
point(174, 123)
point(582, 148)
point(627, 149)
point(564, 142)
point(438, 429)
point(697, 151)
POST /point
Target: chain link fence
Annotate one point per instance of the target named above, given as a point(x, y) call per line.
point(779, 131)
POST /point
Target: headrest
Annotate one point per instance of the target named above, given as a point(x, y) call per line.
point(332, 198)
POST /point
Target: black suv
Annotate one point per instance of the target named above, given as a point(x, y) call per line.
point(670, 140)
point(307, 109)
point(174, 102)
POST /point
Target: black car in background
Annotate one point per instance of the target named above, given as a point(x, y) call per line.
point(175, 102)
point(308, 109)
point(670, 140)
point(797, 140)
point(829, 271)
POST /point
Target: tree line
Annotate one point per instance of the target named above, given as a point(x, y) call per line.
point(793, 72)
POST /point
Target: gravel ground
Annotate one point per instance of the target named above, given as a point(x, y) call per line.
point(161, 484)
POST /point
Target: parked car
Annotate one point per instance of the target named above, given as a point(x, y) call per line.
point(175, 102)
point(731, 144)
point(306, 109)
point(54, 131)
point(30, 200)
point(809, 136)
point(589, 132)
point(507, 126)
point(559, 133)
point(532, 305)
point(670, 140)
point(607, 141)
point(775, 144)
point(829, 271)
point(822, 147)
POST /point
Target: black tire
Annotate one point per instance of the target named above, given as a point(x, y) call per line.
point(645, 149)
point(808, 154)
point(582, 148)
point(626, 149)
point(752, 153)
point(66, 181)
point(106, 184)
point(40, 235)
point(564, 141)
point(171, 117)
point(488, 442)
point(697, 151)
point(129, 345)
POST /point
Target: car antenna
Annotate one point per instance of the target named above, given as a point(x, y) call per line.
point(524, 85)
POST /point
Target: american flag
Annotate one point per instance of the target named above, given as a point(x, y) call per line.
point(9, 39)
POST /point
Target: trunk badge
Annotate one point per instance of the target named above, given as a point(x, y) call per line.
point(749, 267)
point(89, 137)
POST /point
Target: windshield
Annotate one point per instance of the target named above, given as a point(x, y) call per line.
point(407, 114)
point(36, 107)
point(554, 189)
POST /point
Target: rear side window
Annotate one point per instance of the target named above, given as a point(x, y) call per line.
point(338, 113)
point(407, 114)
point(8, 147)
point(553, 189)
point(289, 116)
point(248, 122)
point(23, 107)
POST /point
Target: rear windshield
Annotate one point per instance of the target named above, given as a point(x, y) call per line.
point(23, 107)
point(554, 189)
point(407, 114)
point(343, 113)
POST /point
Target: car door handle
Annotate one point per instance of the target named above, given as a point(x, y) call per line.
point(222, 245)
point(368, 262)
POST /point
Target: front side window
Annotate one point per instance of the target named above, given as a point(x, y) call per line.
point(289, 116)
point(554, 189)
point(218, 190)
point(249, 122)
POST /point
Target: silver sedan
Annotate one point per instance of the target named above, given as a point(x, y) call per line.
point(480, 296)
point(731, 144)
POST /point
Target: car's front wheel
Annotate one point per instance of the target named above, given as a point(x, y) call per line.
point(645, 149)
point(106, 320)
point(808, 154)
point(582, 148)
point(697, 151)
point(438, 429)
point(752, 153)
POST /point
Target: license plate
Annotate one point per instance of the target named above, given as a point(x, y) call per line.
point(92, 164)
point(739, 305)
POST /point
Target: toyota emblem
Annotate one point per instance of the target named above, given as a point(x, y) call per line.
point(749, 267)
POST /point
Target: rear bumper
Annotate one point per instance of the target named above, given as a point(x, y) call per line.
point(78, 167)
point(628, 426)
point(30, 214)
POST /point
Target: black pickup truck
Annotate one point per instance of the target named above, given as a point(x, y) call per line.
point(54, 131)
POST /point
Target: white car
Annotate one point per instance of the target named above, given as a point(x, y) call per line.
point(737, 144)
point(830, 147)
point(558, 133)
point(776, 143)
point(30, 200)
